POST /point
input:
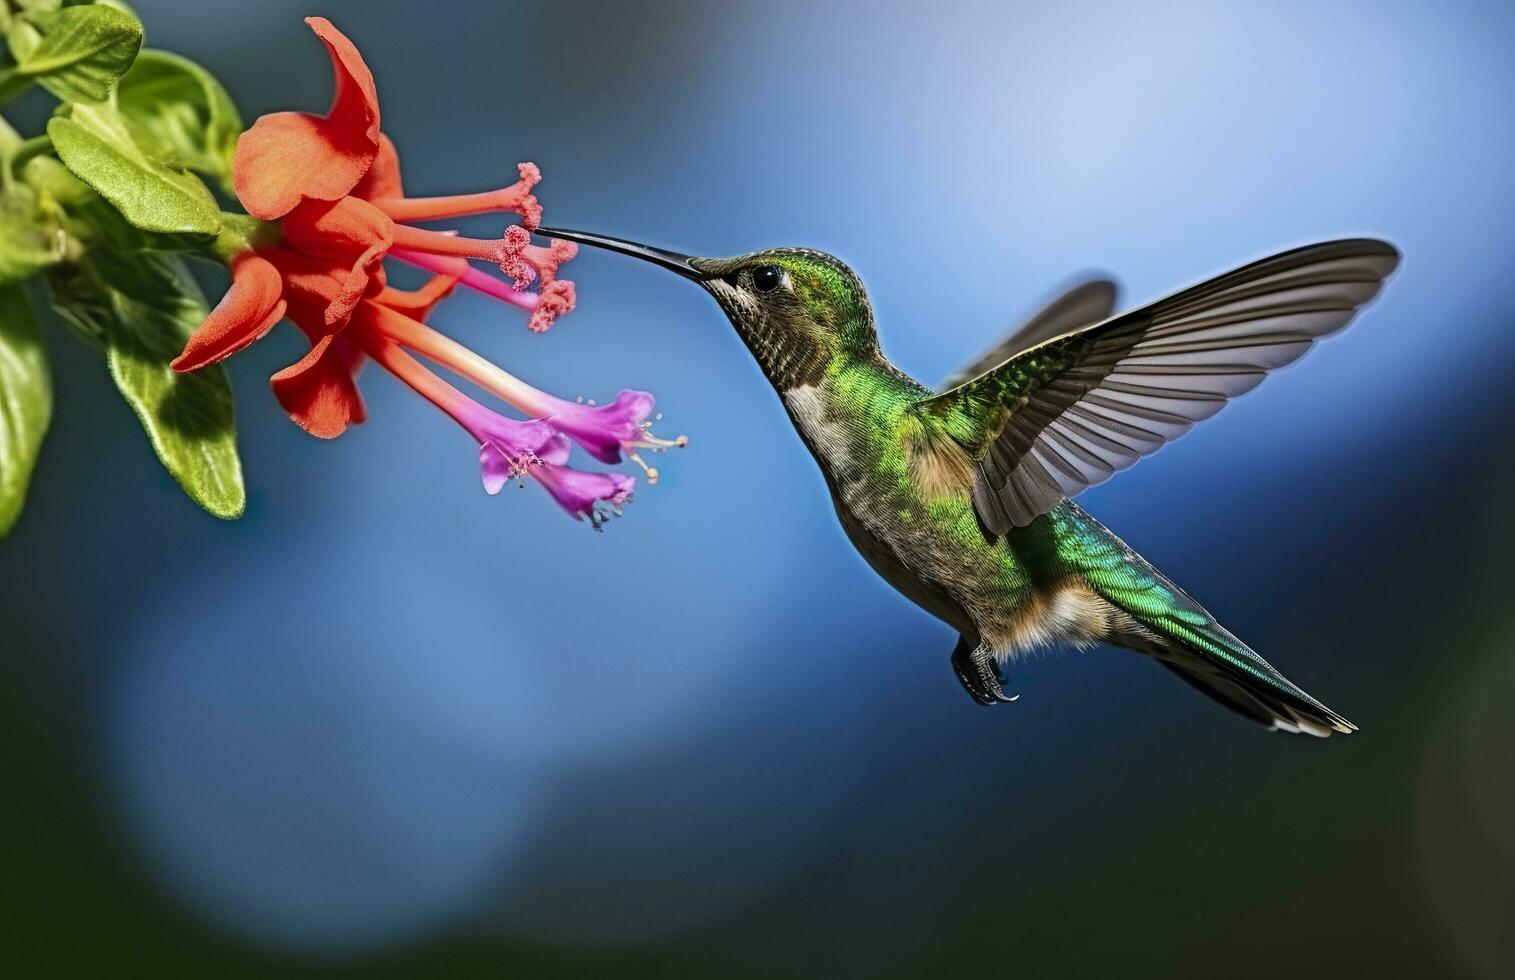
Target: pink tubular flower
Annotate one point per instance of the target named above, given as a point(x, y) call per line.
point(603, 431)
point(508, 449)
point(582, 494)
point(329, 191)
point(606, 431)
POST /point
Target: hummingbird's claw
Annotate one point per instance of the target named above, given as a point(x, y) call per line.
point(979, 673)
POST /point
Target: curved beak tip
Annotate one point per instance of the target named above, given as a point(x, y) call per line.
point(672, 261)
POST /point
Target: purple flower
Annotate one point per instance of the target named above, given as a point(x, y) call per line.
point(593, 495)
point(513, 449)
point(509, 449)
point(607, 431)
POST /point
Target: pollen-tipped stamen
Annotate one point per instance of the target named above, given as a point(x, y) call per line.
point(472, 278)
point(656, 444)
point(651, 471)
point(555, 299)
point(497, 250)
point(547, 259)
point(517, 199)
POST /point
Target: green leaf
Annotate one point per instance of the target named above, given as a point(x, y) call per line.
point(189, 418)
point(82, 303)
point(12, 82)
point(22, 37)
point(83, 52)
point(177, 108)
point(26, 400)
point(150, 306)
point(25, 247)
point(150, 193)
point(51, 181)
point(10, 140)
point(82, 218)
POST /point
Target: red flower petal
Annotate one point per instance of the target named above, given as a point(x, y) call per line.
point(287, 156)
point(383, 178)
point(310, 286)
point(355, 100)
point(349, 231)
point(249, 310)
point(319, 392)
point(419, 303)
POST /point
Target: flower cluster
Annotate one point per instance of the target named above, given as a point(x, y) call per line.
point(328, 192)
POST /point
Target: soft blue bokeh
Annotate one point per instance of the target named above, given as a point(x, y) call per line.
point(387, 706)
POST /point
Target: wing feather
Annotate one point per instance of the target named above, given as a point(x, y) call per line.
point(1086, 303)
point(1077, 407)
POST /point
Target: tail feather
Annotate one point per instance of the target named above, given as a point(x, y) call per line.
point(1261, 706)
point(1158, 618)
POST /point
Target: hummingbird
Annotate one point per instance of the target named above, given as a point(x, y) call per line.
point(961, 496)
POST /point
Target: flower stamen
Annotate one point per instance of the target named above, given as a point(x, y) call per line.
point(656, 444)
point(496, 250)
point(546, 259)
point(472, 278)
point(651, 471)
point(517, 199)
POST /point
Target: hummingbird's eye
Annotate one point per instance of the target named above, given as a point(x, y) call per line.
point(766, 278)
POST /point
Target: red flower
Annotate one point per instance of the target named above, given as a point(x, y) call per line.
point(332, 183)
point(289, 156)
point(249, 310)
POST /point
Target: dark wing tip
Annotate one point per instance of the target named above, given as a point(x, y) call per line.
point(1147, 376)
point(1093, 283)
point(1365, 247)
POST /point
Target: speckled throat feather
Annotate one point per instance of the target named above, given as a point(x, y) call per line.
point(796, 338)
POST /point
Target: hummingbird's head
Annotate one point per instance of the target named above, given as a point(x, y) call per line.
point(797, 309)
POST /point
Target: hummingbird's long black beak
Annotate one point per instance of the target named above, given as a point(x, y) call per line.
point(672, 261)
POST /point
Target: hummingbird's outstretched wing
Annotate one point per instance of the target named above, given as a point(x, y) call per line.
point(1069, 413)
point(1081, 306)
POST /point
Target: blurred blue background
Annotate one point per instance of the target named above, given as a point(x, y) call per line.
point(387, 725)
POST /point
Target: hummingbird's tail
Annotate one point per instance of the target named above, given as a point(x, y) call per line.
point(1156, 617)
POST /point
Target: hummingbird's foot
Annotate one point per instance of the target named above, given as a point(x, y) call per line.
point(979, 673)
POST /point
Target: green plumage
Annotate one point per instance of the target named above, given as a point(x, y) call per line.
point(933, 548)
point(961, 499)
